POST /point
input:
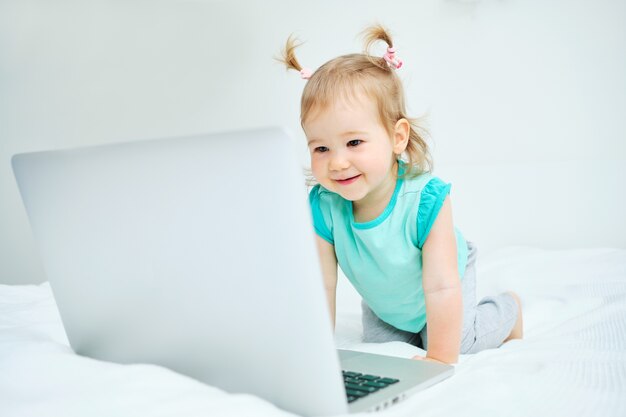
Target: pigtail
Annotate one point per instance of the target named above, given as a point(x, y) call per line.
point(288, 55)
point(374, 34)
point(288, 58)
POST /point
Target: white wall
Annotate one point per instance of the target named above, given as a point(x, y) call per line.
point(526, 100)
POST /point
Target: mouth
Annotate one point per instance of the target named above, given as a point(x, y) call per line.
point(347, 181)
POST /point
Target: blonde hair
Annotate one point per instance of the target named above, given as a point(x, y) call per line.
point(346, 76)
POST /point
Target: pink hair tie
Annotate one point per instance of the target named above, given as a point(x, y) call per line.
point(391, 58)
point(305, 73)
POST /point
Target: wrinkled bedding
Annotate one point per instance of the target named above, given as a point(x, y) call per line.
point(572, 361)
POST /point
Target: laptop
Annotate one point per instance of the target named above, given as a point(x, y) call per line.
point(198, 254)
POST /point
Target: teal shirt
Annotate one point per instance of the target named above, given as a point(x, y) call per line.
point(382, 258)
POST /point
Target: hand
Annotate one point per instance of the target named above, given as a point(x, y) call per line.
point(427, 358)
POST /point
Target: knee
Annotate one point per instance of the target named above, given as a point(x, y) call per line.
point(518, 329)
point(518, 301)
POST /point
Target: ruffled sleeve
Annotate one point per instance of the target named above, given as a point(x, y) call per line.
point(319, 223)
point(431, 200)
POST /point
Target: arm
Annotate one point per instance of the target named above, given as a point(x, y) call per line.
point(328, 263)
point(442, 289)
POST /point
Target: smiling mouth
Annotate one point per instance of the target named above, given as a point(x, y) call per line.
point(347, 181)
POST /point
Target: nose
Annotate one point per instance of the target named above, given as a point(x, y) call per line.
point(338, 162)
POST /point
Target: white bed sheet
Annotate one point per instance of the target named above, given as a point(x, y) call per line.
point(572, 361)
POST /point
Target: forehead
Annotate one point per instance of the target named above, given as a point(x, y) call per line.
point(343, 113)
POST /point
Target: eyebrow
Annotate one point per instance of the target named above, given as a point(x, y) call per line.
point(354, 132)
point(347, 133)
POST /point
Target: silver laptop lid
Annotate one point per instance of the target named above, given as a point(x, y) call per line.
point(193, 253)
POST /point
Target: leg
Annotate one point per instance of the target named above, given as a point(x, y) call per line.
point(377, 331)
point(490, 322)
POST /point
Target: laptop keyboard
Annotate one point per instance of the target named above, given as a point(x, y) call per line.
point(359, 385)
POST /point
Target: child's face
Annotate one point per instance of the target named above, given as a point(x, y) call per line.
point(352, 154)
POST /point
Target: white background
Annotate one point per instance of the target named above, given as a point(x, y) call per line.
point(525, 100)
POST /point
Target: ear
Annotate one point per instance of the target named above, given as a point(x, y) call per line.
point(401, 136)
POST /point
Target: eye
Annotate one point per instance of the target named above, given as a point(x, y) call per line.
point(355, 142)
point(320, 149)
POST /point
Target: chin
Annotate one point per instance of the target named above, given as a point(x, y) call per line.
point(351, 196)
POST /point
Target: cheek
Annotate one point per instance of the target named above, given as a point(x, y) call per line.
point(316, 165)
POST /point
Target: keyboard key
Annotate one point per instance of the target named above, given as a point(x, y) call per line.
point(351, 398)
point(363, 380)
point(370, 377)
point(351, 374)
point(375, 384)
point(361, 387)
point(355, 393)
point(388, 380)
